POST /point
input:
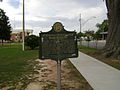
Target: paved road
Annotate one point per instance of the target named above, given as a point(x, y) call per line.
point(100, 44)
point(99, 75)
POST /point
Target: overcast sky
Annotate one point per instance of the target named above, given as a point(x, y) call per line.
point(40, 15)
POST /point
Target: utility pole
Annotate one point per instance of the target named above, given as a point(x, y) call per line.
point(80, 23)
point(23, 34)
point(80, 29)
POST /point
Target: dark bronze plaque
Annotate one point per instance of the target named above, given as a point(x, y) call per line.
point(60, 45)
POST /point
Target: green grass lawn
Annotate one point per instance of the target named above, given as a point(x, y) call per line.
point(15, 64)
point(86, 49)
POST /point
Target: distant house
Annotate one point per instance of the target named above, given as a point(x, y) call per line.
point(104, 35)
point(16, 35)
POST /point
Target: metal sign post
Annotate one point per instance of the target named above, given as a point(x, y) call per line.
point(58, 74)
point(58, 65)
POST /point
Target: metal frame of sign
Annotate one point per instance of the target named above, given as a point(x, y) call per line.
point(58, 45)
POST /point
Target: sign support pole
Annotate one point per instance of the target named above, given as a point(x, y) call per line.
point(58, 74)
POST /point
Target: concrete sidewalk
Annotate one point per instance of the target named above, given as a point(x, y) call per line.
point(99, 75)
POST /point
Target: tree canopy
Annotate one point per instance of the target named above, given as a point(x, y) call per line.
point(5, 27)
point(103, 27)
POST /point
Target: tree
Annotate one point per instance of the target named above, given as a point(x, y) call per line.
point(32, 41)
point(103, 27)
point(112, 47)
point(5, 27)
point(80, 34)
point(89, 34)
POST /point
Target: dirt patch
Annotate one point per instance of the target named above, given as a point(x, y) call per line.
point(71, 79)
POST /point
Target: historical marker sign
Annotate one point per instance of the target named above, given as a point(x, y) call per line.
point(58, 44)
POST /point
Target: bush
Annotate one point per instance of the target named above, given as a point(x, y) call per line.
point(88, 39)
point(32, 41)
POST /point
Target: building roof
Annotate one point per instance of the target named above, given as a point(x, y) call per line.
point(21, 30)
point(104, 33)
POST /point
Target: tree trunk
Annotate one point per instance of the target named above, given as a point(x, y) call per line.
point(2, 42)
point(112, 47)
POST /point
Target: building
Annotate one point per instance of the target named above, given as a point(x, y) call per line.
point(104, 35)
point(16, 35)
